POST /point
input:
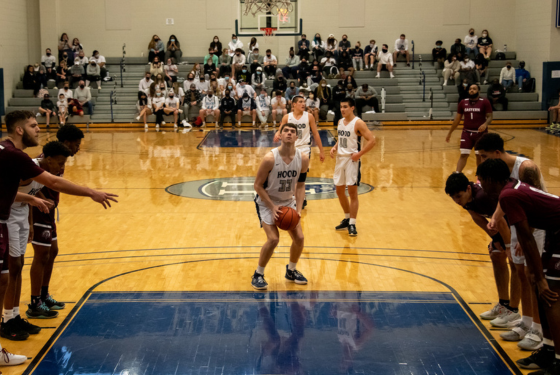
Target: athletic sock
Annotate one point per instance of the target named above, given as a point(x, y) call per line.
point(527, 320)
point(291, 266)
point(16, 311)
point(35, 301)
point(8, 314)
point(513, 309)
point(44, 292)
point(260, 270)
point(347, 216)
point(504, 302)
point(548, 343)
point(557, 356)
point(536, 327)
point(352, 221)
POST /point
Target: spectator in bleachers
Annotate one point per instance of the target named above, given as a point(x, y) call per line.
point(292, 65)
point(366, 95)
point(158, 103)
point(463, 90)
point(93, 74)
point(244, 88)
point(521, 75)
point(258, 78)
point(62, 105)
point(279, 106)
point(350, 92)
point(303, 72)
point(195, 71)
point(227, 108)
point(401, 48)
point(263, 107)
point(280, 84)
point(303, 47)
point(370, 54)
point(171, 72)
point(345, 62)
point(235, 45)
point(65, 58)
point(246, 107)
point(332, 46)
point(270, 64)
point(318, 47)
point(203, 85)
point(451, 70)
point(51, 75)
point(507, 76)
point(439, 54)
point(145, 83)
point(83, 95)
point(156, 67)
point(225, 63)
point(216, 46)
point(482, 71)
point(338, 94)
point(497, 94)
point(41, 76)
point(64, 47)
point(458, 49)
point(210, 67)
point(82, 58)
point(173, 49)
point(210, 107)
point(237, 62)
point(312, 105)
point(31, 81)
point(471, 43)
point(385, 61)
point(315, 78)
point(255, 57)
point(485, 44)
point(77, 72)
point(172, 106)
point(100, 61)
point(349, 80)
point(324, 94)
point(143, 106)
point(358, 57)
point(156, 49)
point(193, 97)
point(160, 82)
point(77, 47)
point(214, 87)
point(211, 56)
point(244, 75)
point(254, 66)
point(467, 70)
point(554, 109)
point(47, 108)
point(226, 81)
point(75, 108)
point(48, 60)
point(62, 74)
point(253, 44)
point(291, 92)
point(343, 45)
point(65, 90)
point(329, 64)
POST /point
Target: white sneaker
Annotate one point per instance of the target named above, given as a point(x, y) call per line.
point(533, 340)
point(157, 126)
point(203, 125)
point(392, 75)
point(186, 124)
point(138, 118)
point(9, 359)
point(377, 76)
point(145, 126)
point(38, 114)
point(162, 123)
point(445, 83)
point(367, 66)
point(493, 313)
point(485, 82)
point(216, 125)
point(180, 111)
point(175, 126)
point(504, 318)
point(513, 324)
point(331, 112)
point(517, 333)
point(55, 88)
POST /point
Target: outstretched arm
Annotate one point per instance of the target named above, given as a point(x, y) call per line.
point(284, 121)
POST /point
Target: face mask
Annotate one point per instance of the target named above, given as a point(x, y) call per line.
point(157, 40)
point(465, 84)
point(466, 60)
point(234, 41)
point(96, 56)
point(384, 50)
point(48, 53)
point(162, 87)
point(438, 46)
point(244, 70)
point(65, 56)
point(209, 94)
point(472, 32)
point(267, 55)
point(158, 94)
point(170, 96)
point(82, 86)
point(357, 47)
point(230, 87)
point(259, 72)
point(280, 78)
point(172, 40)
point(509, 67)
point(484, 35)
point(262, 96)
point(228, 93)
point(216, 40)
point(66, 87)
point(323, 85)
point(343, 38)
point(522, 66)
point(227, 78)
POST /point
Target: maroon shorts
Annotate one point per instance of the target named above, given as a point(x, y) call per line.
point(551, 255)
point(469, 139)
point(4, 246)
point(44, 228)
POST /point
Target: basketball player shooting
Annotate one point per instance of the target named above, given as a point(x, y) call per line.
point(281, 175)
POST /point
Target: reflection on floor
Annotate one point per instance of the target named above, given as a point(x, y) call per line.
point(254, 138)
point(272, 333)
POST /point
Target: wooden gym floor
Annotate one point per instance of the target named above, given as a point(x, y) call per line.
point(412, 237)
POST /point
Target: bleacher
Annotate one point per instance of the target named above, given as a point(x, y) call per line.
point(404, 93)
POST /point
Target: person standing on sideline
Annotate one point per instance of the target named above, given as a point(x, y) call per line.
point(349, 150)
point(477, 112)
point(280, 182)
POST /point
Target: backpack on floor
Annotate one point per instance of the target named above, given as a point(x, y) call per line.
point(528, 85)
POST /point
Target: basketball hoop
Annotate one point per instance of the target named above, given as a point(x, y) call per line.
point(255, 7)
point(268, 32)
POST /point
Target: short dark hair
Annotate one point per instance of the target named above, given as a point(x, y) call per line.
point(296, 97)
point(490, 142)
point(14, 117)
point(403, 35)
point(289, 125)
point(385, 46)
point(56, 148)
point(439, 42)
point(69, 133)
point(268, 50)
point(494, 170)
point(456, 183)
point(350, 102)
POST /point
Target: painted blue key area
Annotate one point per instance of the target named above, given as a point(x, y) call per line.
point(255, 138)
point(272, 333)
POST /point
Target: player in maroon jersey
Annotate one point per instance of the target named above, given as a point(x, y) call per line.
point(477, 113)
point(529, 208)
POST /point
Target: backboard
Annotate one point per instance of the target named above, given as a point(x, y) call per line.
point(286, 22)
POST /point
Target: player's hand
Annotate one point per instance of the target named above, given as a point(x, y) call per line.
point(41, 204)
point(276, 210)
point(547, 295)
point(518, 250)
point(492, 226)
point(333, 150)
point(276, 136)
point(482, 127)
point(103, 198)
point(322, 156)
point(355, 156)
point(448, 138)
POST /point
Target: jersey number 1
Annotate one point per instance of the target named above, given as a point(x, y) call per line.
point(285, 185)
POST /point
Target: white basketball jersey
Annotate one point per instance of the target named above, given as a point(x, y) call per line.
point(515, 171)
point(303, 129)
point(282, 179)
point(30, 189)
point(348, 140)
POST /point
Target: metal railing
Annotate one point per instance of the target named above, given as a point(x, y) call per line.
point(431, 114)
point(113, 100)
point(423, 83)
point(122, 64)
point(383, 96)
point(412, 42)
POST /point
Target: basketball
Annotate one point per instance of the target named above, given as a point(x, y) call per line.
point(288, 219)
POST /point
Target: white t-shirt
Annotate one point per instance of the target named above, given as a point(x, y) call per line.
point(245, 89)
point(222, 82)
point(251, 49)
point(67, 94)
point(49, 61)
point(62, 104)
point(98, 60)
point(385, 58)
point(171, 70)
point(203, 86)
point(145, 85)
point(328, 62)
point(471, 41)
point(158, 102)
point(270, 59)
point(172, 103)
point(401, 45)
point(312, 103)
point(210, 102)
point(83, 60)
point(233, 46)
point(466, 65)
point(274, 101)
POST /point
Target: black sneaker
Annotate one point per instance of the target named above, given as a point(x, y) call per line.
point(304, 204)
point(11, 331)
point(258, 281)
point(295, 276)
point(53, 304)
point(40, 312)
point(343, 224)
point(352, 232)
point(25, 326)
point(553, 369)
point(541, 358)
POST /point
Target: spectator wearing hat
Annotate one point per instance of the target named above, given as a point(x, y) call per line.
point(237, 62)
point(507, 76)
point(47, 108)
point(279, 106)
point(246, 107)
point(439, 54)
point(521, 75)
point(304, 46)
point(292, 65)
point(366, 95)
point(258, 78)
point(401, 48)
point(270, 64)
point(263, 107)
point(234, 45)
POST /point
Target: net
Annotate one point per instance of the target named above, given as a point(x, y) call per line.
point(255, 7)
point(268, 31)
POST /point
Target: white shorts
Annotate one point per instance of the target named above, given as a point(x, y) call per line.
point(18, 231)
point(305, 149)
point(539, 239)
point(247, 113)
point(347, 172)
point(265, 214)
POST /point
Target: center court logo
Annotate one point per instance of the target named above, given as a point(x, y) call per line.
point(241, 189)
